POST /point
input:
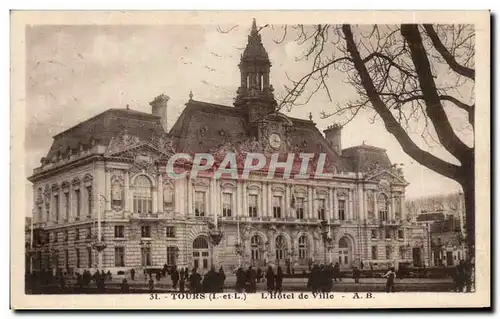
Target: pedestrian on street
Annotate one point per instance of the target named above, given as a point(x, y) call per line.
point(356, 274)
point(336, 272)
point(182, 281)
point(259, 274)
point(240, 279)
point(270, 279)
point(278, 279)
point(195, 281)
point(132, 274)
point(251, 280)
point(124, 287)
point(391, 276)
point(174, 275)
point(151, 283)
point(222, 279)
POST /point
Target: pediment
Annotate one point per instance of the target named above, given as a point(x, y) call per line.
point(140, 152)
point(386, 176)
point(125, 145)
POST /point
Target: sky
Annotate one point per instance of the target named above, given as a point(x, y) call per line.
point(75, 72)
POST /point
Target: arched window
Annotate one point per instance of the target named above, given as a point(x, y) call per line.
point(256, 245)
point(201, 253)
point(303, 251)
point(344, 252)
point(142, 195)
point(280, 248)
point(383, 207)
point(200, 243)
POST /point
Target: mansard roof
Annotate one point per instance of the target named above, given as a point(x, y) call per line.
point(101, 128)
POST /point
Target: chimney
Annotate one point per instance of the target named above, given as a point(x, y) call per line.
point(333, 135)
point(159, 108)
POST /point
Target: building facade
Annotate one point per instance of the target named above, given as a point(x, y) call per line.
point(444, 217)
point(103, 195)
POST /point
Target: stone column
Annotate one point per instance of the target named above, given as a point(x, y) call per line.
point(159, 196)
point(365, 206)
point(107, 194)
point(314, 204)
point(70, 205)
point(309, 202)
point(329, 210)
point(126, 200)
point(217, 195)
point(402, 209)
point(237, 200)
point(375, 208)
point(269, 200)
point(286, 211)
point(351, 205)
point(393, 206)
point(263, 211)
point(190, 197)
point(335, 205)
point(244, 209)
point(361, 203)
point(154, 209)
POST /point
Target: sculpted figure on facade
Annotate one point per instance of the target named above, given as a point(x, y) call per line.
point(117, 191)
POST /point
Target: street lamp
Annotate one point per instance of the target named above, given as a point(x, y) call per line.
point(327, 240)
point(215, 236)
point(98, 244)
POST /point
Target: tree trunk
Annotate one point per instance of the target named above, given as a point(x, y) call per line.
point(468, 186)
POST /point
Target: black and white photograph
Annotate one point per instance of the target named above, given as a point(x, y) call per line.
point(188, 159)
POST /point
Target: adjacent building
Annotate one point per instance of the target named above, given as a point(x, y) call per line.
point(103, 196)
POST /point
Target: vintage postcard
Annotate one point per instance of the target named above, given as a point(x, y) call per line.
point(250, 160)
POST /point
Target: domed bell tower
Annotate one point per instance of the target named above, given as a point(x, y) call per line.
point(255, 94)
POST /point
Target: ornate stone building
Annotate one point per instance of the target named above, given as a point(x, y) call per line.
point(112, 168)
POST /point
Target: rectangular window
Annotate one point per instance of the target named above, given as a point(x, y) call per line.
point(89, 233)
point(299, 206)
point(66, 259)
point(119, 256)
point(170, 232)
point(227, 204)
point(252, 205)
point(77, 253)
point(89, 200)
point(199, 204)
point(387, 234)
point(401, 234)
point(146, 231)
point(374, 234)
point(168, 196)
point(55, 237)
point(40, 214)
point(66, 235)
point(89, 257)
point(146, 256)
point(66, 206)
point(388, 252)
point(374, 252)
point(402, 252)
point(277, 206)
point(341, 208)
point(56, 202)
point(77, 202)
point(120, 231)
point(321, 208)
point(171, 255)
point(397, 207)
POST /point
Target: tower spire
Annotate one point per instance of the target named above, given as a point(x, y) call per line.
point(255, 70)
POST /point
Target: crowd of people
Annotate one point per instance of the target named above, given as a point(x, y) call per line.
point(320, 278)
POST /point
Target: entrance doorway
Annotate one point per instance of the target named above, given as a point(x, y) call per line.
point(449, 258)
point(417, 257)
point(281, 247)
point(201, 253)
point(345, 257)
